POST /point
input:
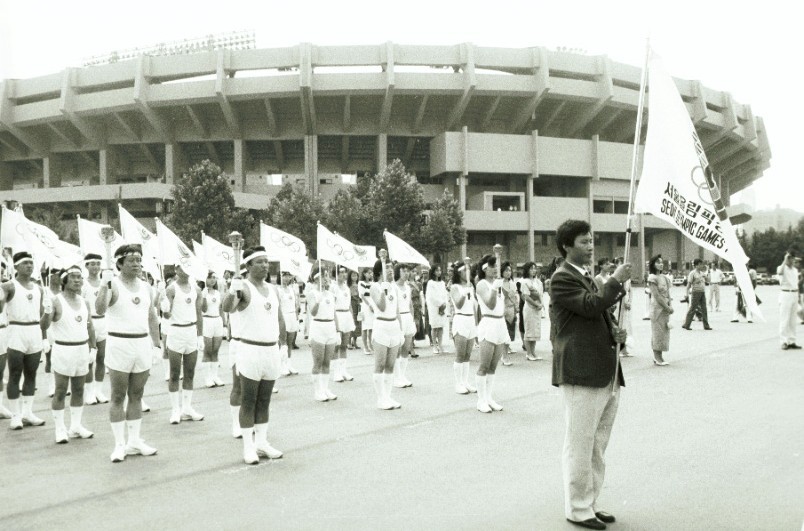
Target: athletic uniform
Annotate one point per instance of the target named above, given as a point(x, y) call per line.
point(366, 309)
point(128, 347)
point(71, 340)
point(213, 322)
point(258, 355)
point(3, 331)
point(288, 296)
point(322, 325)
point(235, 327)
point(344, 322)
point(492, 324)
point(90, 293)
point(387, 331)
point(406, 318)
point(24, 334)
point(463, 322)
point(182, 336)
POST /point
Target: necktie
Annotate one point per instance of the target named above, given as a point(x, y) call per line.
point(588, 278)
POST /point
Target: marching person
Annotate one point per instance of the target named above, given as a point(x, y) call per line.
point(406, 323)
point(491, 332)
point(464, 326)
point(344, 323)
point(182, 305)
point(213, 329)
point(436, 296)
point(584, 367)
point(5, 413)
point(788, 301)
point(93, 386)
point(73, 350)
point(387, 334)
point(289, 300)
point(131, 319)
point(261, 333)
point(366, 310)
point(52, 291)
point(323, 332)
point(29, 310)
point(236, 395)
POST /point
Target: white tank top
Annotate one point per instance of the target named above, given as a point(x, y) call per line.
point(213, 299)
point(468, 307)
point(391, 302)
point(129, 313)
point(235, 322)
point(183, 310)
point(288, 301)
point(3, 317)
point(24, 307)
point(403, 300)
point(260, 319)
point(343, 297)
point(72, 325)
point(326, 304)
point(90, 293)
point(499, 308)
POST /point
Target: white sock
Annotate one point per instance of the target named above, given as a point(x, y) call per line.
point(261, 433)
point(186, 399)
point(119, 431)
point(14, 406)
point(379, 386)
point(27, 406)
point(58, 419)
point(75, 417)
point(175, 400)
point(248, 440)
point(235, 416)
point(134, 431)
point(388, 381)
point(403, 367)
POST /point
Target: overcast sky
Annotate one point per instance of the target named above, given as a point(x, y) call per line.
point(752, 50)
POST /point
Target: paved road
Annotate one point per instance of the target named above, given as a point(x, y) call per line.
point(713, 441)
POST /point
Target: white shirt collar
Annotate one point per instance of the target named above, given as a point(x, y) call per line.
point(581, 270)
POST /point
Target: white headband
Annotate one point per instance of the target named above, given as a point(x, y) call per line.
point(461, 268)
point(258, 254)
point(72, 269)
point(91, 260)
point(23, 260)
point(485, 266)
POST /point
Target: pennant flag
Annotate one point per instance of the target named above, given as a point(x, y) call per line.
point(338, 249)
point(217, 256)
point(17, 233)
point(134, 232)
point(298, 268)
point(677, 184)
point(400, 251)
point(173, 251)
point(90, 240)
point(279, 243)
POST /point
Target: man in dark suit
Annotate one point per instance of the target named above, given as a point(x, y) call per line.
point(584, 366)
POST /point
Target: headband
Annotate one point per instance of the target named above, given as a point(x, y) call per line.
point(91, 260)
point(484, 266)
point(128, 253)
point(462, 267)
point(23, 260)
point(258, 254)
point(71, 269)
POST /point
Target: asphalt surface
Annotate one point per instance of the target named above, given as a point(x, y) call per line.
point(712, 441)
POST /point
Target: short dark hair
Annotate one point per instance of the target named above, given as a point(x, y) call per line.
point(397, 268)
point(526, 269)
point(652, 264)
point(504, 266)
point(488, 261)
point(456, 272)
point(696, 262)
point(568, 231)
point(377, 270)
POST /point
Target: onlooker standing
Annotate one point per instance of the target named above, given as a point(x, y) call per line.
point(788, 301)
point(696, 292)
point(532, 291)
point(511, 306)
point(715, 278)
point(660, 310)
point(742, 308)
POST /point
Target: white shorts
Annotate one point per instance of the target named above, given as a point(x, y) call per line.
point(464, 326)
point(323, 332)
point(386, 333)
point(132, 355)
point(408, 324)
point(182, 339)
point(257, 362)
point(344, 321)
point(493, 330)
point(25, 338)
point(368, 316)
point(71, 360)
point(232, 352)
point(291, 322)
point(101, 332)
point(3, 339)
point(213, 326)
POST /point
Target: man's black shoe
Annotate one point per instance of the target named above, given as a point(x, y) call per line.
point(785, 346)
point(794, 346)
point(708, 328)
point(605, 517)
point(686, 328)
point(592, 523)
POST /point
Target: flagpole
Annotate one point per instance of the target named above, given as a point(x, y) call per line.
point(634, 163)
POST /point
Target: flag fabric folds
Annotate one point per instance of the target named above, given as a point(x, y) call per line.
point(173, 251)
point(279, 244)
point(89, 237)
point(338, 249)
point(677, 185)
point(400, 251)
point(134, 232)
point(217, 256)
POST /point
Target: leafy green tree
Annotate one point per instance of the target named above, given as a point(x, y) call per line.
point(294, 210)
point(346, 215)
point(444, 231)
point(394, 201)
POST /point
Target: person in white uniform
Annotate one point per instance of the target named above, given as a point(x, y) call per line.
point(52, 290)
point(788, 301)
point(236, 395)
point(437, 297)
point(73, 350)
point(323, 332)
point(387, 333)
point(289, 300)
point(464, 326)
point(406, 323)
point(261, 333)
point(491, 332)
point(185, 337)
point(366, 310)
point(344, 323)
point(93, 386)
point(213, 329)
point(133, 338)
point(5, 413)
point(29, 310)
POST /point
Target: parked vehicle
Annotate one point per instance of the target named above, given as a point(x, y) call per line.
point(728, 279)
point(679, 281)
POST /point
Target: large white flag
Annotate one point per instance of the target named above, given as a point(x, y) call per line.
point(89, 237)
point(134, 232)
point(217, 256)
point(338, 249)
point(400, 251)
point(279, 244)
point(16, 233)
point(298, 268)
point(173, 251)
point(677, 184)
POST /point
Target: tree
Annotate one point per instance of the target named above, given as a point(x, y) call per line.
point(295, 211)
point(346, 215)
point(394, 201)
point(444, 230)
point(203, 202)
point(53, 218)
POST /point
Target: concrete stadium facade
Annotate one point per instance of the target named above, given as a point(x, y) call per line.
point(524, 138)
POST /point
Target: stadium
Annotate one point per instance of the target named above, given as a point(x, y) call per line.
point(524, 138)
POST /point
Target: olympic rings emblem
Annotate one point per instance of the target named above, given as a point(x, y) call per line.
point(698, 178)
point(346, 254)
point(285, 240)
point(79, 318)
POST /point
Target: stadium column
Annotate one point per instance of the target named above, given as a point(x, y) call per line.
point(463, 178)
point(173, 162)
point(382, 151)
point(239, 164)
point(51, 177)
point(534, 174)
point(311, 162)
point(6, 178)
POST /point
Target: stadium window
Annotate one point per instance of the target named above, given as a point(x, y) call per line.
point(504, 202)
point(601, 206)
point(621, 207)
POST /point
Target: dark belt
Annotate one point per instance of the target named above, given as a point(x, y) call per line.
point(343, 310)
point(257, 343)
point(403, 313)
point(466, 314)
point(20, 323)
point(493, 316)
point(2, 326)
point(385, 318)
point(123, 335)
point(183, 325)
point(212, 317)
point(98, 316)
point(323, 320)
point(71, 343)
point(787, 290)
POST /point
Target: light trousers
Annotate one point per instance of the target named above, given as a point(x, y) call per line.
point(788, 304)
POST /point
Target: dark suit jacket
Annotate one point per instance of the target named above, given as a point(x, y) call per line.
point(581, 329)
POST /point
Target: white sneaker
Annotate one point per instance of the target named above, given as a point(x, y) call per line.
point(145, 407)
point(330, 395)
point(101, 398)
point(483, 406)
point(32, 420)
point(461, 389)
point(209, 383)
point(5, 413)
point(337, 377)
point(118, 454)
point(175, 417)
point(217, 381)
point(493, 405)
point(264, 449)
point(188, 413)
point(16, 423)
point(80, 433)
point(250, 457)
point(89, 395)
point(285, 371)
point(236, 431)
point(139, 448)
point(291, 370)
point(346, 376)
point(61, 436)
point(394, 404)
